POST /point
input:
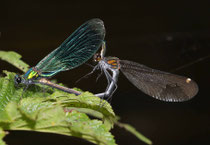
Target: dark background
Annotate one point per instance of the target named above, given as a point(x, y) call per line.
point(161, 34)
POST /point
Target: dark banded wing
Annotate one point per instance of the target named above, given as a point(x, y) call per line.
point(158, 84)
point(75, 50)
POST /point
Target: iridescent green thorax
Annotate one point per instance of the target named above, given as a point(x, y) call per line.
point(32, 73)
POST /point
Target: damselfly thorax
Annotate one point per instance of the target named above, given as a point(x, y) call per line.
point(32, 73)
point(111, 63)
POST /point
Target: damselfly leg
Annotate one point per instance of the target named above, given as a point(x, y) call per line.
point(111, 70)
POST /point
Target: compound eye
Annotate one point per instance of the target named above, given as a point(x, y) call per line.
point(18, 79)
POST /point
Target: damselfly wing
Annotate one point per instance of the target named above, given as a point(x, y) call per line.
point(158, 84)
point(75, 50)
point(79, 47)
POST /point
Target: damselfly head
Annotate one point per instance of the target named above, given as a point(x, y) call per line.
point(97, 57)
point(18, 80)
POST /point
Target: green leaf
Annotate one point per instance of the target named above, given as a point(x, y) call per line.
point(8, 91)
point(14, 59)
point(55, 111)
point(58, 112)
point(2, 134)
point(134, 132)
point(53, 119)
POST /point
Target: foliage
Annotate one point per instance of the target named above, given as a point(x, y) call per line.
point(54, 111)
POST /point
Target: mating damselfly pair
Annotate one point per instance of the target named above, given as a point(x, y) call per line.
point(83, 44)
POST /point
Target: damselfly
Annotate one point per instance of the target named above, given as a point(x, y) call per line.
point(79, 47)
point(158, 84)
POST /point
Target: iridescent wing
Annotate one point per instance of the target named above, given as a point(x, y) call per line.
point(75, 50)
point(158, 84)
